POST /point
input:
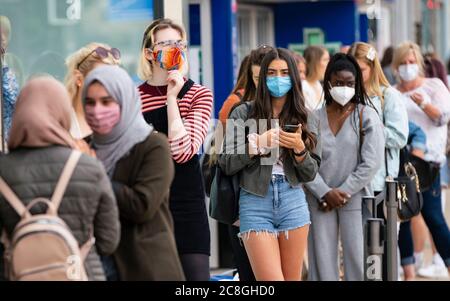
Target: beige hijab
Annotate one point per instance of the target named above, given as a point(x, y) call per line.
point(42, 115)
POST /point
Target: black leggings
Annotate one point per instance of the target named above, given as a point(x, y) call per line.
point(240, 256)
point(195, 266)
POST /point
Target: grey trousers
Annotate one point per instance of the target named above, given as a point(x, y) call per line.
point(323, 240)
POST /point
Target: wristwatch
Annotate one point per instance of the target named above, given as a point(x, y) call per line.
point(302, 153)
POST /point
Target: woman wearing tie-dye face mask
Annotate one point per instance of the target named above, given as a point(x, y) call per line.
point(185, 120)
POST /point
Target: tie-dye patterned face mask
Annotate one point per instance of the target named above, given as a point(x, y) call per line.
point(170, 59)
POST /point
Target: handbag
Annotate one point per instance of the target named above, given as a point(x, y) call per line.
point(224, 194)
point(224, 197)
point(409, 195)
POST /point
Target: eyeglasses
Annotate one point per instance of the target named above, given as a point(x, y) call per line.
point(177, 43)
point(102, 53)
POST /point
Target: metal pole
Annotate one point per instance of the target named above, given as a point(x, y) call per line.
point(374, 244)
point(392, 237)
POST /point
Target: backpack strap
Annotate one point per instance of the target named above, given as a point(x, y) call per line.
point(12, 198)
point(65, 178)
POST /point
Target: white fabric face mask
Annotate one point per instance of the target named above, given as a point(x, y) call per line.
point(342, 95)
point(408, 72)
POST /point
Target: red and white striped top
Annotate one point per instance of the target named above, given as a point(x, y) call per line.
point(195, 110)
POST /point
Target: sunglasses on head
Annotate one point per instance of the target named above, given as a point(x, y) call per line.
point(102, 53)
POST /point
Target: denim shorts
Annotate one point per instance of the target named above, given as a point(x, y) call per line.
point(283, 208)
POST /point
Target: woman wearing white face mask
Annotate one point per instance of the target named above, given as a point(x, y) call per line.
point(427, 102)
point(348, 165)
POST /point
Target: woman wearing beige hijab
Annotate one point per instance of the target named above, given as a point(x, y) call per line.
point(40, 144)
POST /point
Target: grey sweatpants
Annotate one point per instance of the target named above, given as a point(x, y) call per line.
point(323, 239)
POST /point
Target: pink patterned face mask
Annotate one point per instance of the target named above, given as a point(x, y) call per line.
point(102, 119)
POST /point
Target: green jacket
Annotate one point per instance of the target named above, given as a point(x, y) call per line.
point(255, 173)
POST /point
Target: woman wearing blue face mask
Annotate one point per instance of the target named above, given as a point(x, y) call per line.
point(349, 164)
point(274, 150)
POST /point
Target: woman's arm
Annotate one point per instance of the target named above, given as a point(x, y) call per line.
point(395, 120)
point(139, 203)
point(438, 109)
point(106, 222)
point(186, 135)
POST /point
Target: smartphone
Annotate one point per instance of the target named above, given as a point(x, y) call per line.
point(290, 128)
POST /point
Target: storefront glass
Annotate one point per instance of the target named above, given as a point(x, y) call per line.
point(45, 32)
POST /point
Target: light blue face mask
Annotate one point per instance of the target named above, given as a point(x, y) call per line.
point(279, 85)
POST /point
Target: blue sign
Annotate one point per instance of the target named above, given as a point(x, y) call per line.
point(130, 10)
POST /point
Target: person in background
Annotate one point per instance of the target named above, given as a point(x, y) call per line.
point(434, 68)
point(349, 164)
point(390, 107)
point(392, 112)
point(301, 64)
point(79, 64)
point(185, 121)
point(344, 49)
point(40, 144)
point(386, 62)
point(10, 88)
point(273, 213)
point(427, 102)
point(238, 91)
point(317, 59)
point(138, 162)
point(249, 79)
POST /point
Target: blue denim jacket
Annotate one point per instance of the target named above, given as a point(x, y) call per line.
point(10, 90)
point(395, 118)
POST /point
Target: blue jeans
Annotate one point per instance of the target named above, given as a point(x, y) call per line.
point(435, 221)
point(110, 268)
point(283, 208)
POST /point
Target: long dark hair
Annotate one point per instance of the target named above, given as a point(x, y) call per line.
point(256, 57)
point(242, 75)
point(294, 110)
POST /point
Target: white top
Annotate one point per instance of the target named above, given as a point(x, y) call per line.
point(311, 101)
point(278, 168)
point(433, 91)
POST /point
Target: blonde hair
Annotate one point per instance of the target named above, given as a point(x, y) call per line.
point(403, 50)
point(313, 55)
point(368, 54)
point(5, 25)
point(145, 67)
point(90, 60)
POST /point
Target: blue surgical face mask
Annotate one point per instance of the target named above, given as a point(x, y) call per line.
point(279, 85)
